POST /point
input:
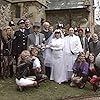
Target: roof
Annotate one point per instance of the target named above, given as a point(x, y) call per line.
point(66, 4)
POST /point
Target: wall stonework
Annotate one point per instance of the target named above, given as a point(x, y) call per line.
point(32, 9)
point(5, 13)
point(75, 18)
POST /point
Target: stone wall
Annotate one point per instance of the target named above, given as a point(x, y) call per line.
point(75, 18)
point(31, 10)
point(5, 13)
point(34, 10)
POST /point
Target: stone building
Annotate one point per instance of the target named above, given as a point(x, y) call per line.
point(5, 13)
point(75, 13)
point(16, 9)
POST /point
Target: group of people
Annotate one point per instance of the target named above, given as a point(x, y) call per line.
point(40, 52)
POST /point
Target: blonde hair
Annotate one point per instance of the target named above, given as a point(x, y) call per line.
point(24, 52)
point(4, 32)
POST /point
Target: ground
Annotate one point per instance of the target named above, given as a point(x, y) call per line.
point(48, 90)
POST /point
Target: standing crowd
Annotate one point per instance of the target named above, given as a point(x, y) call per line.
point(38, 52)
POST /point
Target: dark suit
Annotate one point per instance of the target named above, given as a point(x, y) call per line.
point(94, 48)
point(87, 43)
point(29, 30)
point(19, 42)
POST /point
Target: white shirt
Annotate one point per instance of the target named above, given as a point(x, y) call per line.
point(36, 63)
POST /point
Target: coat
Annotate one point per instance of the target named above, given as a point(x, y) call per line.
point(81, 70)
point(31, 40)
point(96, 49)
point(19, 43)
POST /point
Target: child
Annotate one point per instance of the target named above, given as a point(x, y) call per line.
point(36, 68)
point(23, 78)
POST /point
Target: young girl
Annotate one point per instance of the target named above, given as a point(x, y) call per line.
point(23, 78)
point(36, 67)
point(80, 71)
point(94, 75)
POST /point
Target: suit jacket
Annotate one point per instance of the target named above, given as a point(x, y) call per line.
point(31, 40)
point(95, 50)
point(87, 43)
point(19, 43)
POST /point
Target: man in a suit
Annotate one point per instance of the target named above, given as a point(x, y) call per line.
point(94, 46)
point(88, 39)
point(20, 39)
point(28, 26)
point(36, 39)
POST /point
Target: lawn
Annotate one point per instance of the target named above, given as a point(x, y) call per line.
point(47, 91)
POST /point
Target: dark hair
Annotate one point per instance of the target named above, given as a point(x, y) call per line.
point(88, 60)
point(81, 53)
point(80, 30)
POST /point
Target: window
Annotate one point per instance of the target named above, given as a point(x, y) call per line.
point(17, 11)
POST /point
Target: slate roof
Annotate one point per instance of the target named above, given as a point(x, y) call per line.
point(65, 4)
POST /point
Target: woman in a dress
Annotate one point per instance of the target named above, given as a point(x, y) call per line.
point(58, 71)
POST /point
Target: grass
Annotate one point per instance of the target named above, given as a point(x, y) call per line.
point(48, 90)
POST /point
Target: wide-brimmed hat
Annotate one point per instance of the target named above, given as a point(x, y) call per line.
point(21, 21)
point(37, 24)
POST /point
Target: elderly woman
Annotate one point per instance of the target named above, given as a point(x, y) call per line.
point(7, 38)
point(58, 70)
point(23, 78)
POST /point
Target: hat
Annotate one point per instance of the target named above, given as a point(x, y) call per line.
point(21, 21)
point(87, 30)
point(60, 25)
point(37, 24)
point(11, 23)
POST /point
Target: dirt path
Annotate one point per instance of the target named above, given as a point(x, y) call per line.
point(83, 98)
point(93, 98)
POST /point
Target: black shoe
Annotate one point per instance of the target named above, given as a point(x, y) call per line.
point(95, 87)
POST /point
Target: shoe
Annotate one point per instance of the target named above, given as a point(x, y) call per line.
point(19, 88)
point(82, 85)
point(95, 87)
point(72, 84)
point(35, 83)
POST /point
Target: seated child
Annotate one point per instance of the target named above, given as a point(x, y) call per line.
point(94, 74)
point(80, 71)
point(23, 78)
point(36, 68)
